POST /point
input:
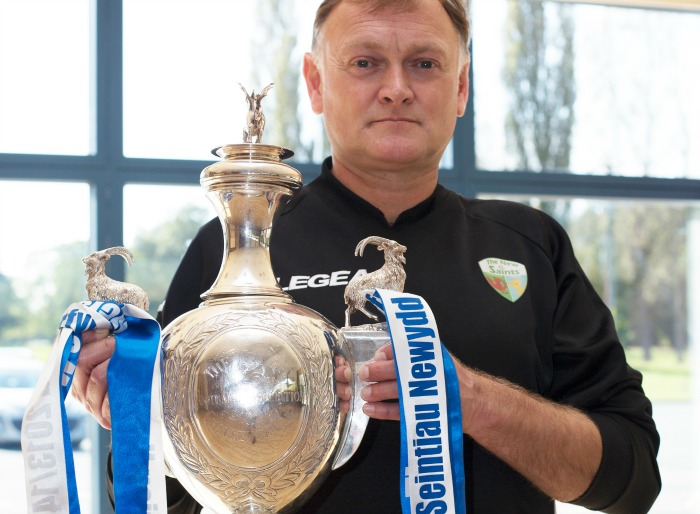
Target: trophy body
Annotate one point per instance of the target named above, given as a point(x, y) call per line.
point(251, 418)
point(249, 403)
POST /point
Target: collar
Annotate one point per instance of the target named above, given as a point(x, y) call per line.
point(415, 213)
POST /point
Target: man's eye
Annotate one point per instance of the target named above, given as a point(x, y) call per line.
point(426, 64)
point(362, 63)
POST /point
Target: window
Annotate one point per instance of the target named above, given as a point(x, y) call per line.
point(586, 89)
point(45, 230)
point(187, 61)
point(45, 91)
point(159, 223)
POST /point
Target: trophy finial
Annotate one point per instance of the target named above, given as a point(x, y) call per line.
point(255, 120)
point(102, 288)
point(390, 276)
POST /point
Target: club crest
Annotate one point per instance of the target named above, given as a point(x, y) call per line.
point(508, 278)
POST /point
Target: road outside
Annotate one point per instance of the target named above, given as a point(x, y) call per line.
point(13, 498)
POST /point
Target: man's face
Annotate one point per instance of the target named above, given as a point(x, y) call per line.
point(389, 84)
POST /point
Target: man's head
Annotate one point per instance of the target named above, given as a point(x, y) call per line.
point(456, 10)
point(390, 78)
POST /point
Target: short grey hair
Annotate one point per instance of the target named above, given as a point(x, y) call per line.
point(457, 10)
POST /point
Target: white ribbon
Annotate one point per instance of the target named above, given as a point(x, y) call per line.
point(431, 427)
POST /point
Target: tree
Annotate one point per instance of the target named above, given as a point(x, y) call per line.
point(157, 253)
point(274, 55)
point(539, 73)
point(60, 279)
point(11, 308)
point(59, 282)
point(625, 249)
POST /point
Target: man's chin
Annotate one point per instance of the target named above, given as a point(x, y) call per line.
point(398, 151)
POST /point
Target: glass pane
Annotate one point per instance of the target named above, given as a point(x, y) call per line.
point(639, 256)
point(45, 65)
point(159, 223)
point(44, 237)
point(579, 88)
point(183, 62)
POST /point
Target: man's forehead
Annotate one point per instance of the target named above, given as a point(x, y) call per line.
point(419, 27)
point(369, 42)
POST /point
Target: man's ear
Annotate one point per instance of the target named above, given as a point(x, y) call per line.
point(463, 90)
point(312, 75)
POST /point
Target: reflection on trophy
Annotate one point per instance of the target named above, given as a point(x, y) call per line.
point(249, 405)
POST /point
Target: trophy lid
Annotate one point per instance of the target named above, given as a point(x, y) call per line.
point(255, 125)
point(251, 163)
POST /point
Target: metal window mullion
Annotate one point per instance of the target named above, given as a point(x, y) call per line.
point(107, 186)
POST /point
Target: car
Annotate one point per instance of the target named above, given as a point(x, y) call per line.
point(18, 376)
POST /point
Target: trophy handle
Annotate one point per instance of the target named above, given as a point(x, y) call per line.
point(362, 342)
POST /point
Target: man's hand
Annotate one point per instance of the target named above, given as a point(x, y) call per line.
point(343, 376)
point(90, 377)
point(382, 372)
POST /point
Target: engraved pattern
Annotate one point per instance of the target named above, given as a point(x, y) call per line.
point(241, 487)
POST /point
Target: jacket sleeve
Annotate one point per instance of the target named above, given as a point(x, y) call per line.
point(591, 373)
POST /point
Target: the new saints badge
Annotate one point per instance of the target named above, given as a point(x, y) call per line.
point(508, 278)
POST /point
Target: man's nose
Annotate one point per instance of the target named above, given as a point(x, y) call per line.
point(396, 87)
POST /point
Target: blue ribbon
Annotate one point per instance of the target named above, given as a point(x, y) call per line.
point(129, 377)
point(454, 412)
point(69, 355)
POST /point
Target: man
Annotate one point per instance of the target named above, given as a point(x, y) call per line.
point(550, 408)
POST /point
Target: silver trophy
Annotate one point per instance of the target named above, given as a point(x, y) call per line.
point(249, 405)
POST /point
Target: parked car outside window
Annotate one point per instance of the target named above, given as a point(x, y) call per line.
point(18, 376)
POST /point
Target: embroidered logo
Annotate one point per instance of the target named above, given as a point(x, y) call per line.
point(508, 278)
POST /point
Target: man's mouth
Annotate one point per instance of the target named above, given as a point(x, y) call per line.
point(395, 119)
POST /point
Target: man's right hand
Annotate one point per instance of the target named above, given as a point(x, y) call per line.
point(90, 377)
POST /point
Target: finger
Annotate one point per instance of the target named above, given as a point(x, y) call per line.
point(380, 391)
point(385, 353)
point(106, 414)
point(90, 336)
point(96, 400)
point(96, 351)
point(343, 391)
point(382, 410)
point(378, 371)
point(343, 374)
point(93, 353)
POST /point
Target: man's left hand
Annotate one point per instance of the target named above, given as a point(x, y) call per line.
point(382, 372)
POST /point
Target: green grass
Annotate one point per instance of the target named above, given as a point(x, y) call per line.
point(665, 377)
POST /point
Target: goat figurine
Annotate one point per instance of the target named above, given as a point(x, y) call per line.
point(102, 288)
point(390, 276)
point(255, 119)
